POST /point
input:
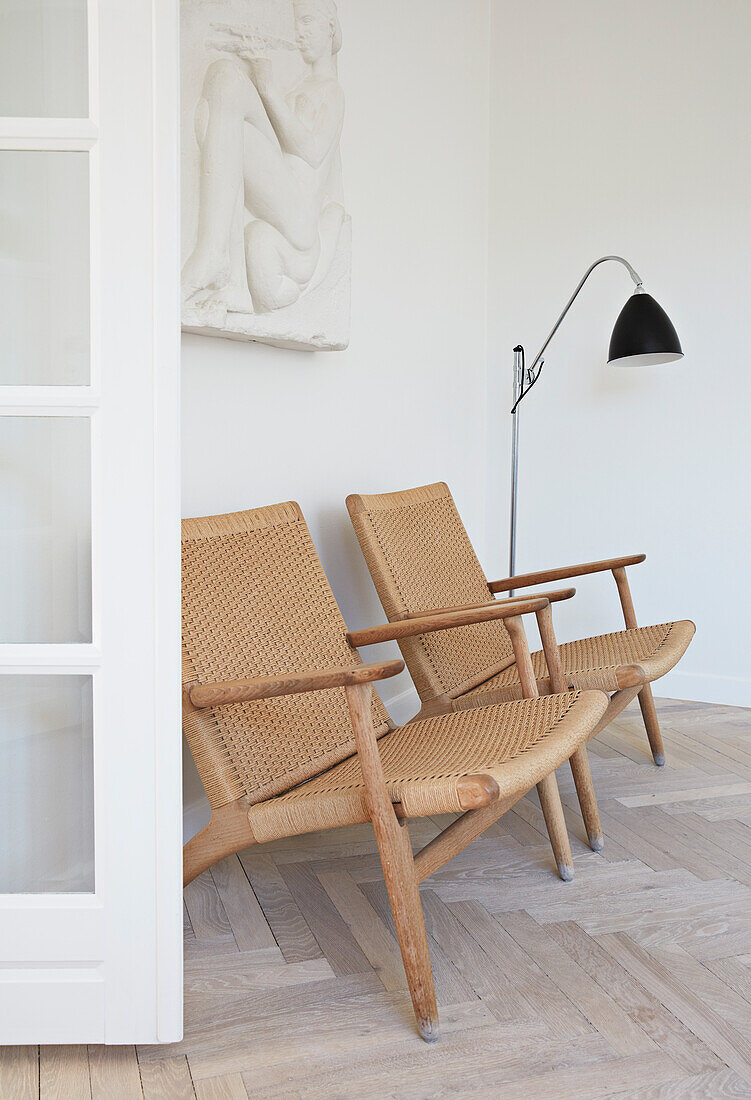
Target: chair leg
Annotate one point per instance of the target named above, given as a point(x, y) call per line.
point(398, 865)
point(404, 895)
point(588, 802)
point(550, 800)
point(649, 714)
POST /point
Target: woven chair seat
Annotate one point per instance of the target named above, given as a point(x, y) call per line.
point(515, 744)
point(594, 662)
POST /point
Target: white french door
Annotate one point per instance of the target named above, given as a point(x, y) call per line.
point(90, 814)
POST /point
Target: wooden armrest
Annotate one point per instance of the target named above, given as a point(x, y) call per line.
point(564, 572)
point(293, 683)
point(552, 597)
point(444, 620)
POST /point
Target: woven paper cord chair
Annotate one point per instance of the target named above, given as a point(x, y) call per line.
point(288, 736)
point(421, 559)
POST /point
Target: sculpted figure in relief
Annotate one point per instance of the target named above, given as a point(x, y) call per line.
point(272, 156)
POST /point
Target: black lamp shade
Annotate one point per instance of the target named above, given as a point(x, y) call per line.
point(643, 335)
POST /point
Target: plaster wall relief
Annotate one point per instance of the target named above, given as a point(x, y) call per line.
point(266, 236)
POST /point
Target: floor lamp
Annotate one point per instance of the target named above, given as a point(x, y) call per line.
point(643, 336)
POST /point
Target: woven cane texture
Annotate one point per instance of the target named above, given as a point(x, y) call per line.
point(256, 602)
point(594, 662)
point(517, 744)
point(420, 557)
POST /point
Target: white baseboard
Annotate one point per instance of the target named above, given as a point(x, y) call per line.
point(729, 691)
point(403, 706)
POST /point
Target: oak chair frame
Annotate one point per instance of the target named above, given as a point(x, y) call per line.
point(229, 829)
point(631, 679)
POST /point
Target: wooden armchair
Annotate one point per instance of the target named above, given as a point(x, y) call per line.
point(420, 557)
point(284, 750)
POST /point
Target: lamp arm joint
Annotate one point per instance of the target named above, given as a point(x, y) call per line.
point(632, 272)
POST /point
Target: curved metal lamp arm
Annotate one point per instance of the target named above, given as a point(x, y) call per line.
point(525, 377)
point(634, 275)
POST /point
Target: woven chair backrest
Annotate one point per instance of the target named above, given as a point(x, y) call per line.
point(420, 558)
point(256, 602)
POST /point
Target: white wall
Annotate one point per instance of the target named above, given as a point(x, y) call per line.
point(613, 128)
point(625, 128)
point(405, 404)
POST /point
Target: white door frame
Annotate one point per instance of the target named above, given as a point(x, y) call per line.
point(107, 966)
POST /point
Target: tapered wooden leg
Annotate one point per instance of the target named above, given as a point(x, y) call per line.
point(550, 800)
point(398, 866)
point(585, 790)
point(646, 702)
point(649, 714)
point(404, 896)
point(579, 761)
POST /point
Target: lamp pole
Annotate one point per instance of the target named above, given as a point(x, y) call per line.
point(518, 386)
point(645, 336)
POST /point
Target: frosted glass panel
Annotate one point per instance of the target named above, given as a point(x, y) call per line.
point(45, 534)
point(44, 268)
point(43, 58)
point(46, 785)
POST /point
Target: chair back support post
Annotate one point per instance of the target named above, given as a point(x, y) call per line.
point(579, 761)
point(547, 788)
point(522, 657)
point(627, 603)
point(550, 648)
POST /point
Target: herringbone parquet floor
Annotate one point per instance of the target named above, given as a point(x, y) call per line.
point(632, 981)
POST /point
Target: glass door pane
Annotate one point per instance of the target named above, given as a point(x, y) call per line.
point(45, 536)
point(43, 58)
point(44, 268)
point(46, 785)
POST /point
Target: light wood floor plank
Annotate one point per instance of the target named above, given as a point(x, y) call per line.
point(287, 923)
point(732, 1048)
point(451, 987)
point(64, 1073)
point(334, 937)
point(485, 1057)
point(633, 981)
point(692, 794)
point(114, 1072)
point(733, 973)
point(19, 1072)
point(249, 926)
point(222, 1088)
point(670, 1033)
point(377, 943)
point(167, 1080)
point(615, 1025)
point(205, 909)
point(522, 971)
point(721, 1084)
point(591, 1082)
